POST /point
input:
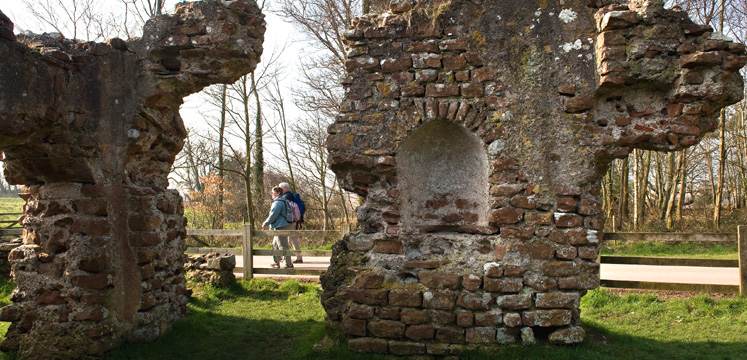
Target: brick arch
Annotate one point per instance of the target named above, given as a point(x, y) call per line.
point(443, 171)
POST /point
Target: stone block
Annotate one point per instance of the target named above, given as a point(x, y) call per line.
point(546, 318)
point(465, 318)
point(356, 327)
point(405, 297)
point(368, 345)
point(505, 285)
point(450, 334)
point(386, 328)
point(414, 316)
point(388, 313)
point(367, 280)
point(481, 335)
point(369, 297)
point(471, 282)
point(389, 247)
point(512, 319)
point(358, 311)
point(439, 280)
point(436, 299)
point(515, 302)
point(420, 332)
point(560, 268)
point(558, 300)
point(567, 336)
point(474, 301)
point(488, 318)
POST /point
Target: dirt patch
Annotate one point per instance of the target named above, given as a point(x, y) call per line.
point(666, 295)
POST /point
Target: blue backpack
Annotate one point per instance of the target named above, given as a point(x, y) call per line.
point(300, 204)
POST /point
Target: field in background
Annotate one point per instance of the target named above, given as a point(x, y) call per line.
point(10, 205)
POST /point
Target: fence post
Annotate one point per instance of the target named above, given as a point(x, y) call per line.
point(742, 244)
point(344, 230)
point(247, 252)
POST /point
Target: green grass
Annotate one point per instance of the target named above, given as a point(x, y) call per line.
point(263, 319)
point(690, 249)
point(10, 205)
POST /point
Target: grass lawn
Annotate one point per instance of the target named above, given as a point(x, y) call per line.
point(690, 249)
point(263, 319)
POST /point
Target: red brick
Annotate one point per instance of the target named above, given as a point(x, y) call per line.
point(454, 62)
point(50, 297)
point(568, 220)
point(95, 281)
point(506, 216)
point(471, 90)
point(389, 247)
point(441, 90)
point(396, 65)
point(93, 227)
point(483, 74)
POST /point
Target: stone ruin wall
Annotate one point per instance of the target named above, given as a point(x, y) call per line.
point(92, 130)
point(476, 134)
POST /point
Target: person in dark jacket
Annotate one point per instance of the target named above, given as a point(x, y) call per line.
point(276, 221)
point(288, 195)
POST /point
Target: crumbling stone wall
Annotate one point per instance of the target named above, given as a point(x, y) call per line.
point(92, 129)
point(212, 268)
point(551, 92)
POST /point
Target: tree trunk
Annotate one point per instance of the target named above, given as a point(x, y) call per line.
point(221, 160)
point(622, 212)
point(682, 192)
point(721, 171)
point(672, 195)
point(258, 172)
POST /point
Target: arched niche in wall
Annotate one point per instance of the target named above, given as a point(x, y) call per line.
point(443, 178)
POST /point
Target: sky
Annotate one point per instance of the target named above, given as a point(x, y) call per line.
point(277, 35)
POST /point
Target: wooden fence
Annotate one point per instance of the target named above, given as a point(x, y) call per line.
point(247, 234)
point(740, 238)
point(9, 228)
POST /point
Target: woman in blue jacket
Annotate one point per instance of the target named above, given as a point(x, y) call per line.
point(276, 221)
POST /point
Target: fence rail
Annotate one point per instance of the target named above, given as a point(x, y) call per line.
point(10, 228)
point(672, 237)
point(247, 234)
point(740, 238)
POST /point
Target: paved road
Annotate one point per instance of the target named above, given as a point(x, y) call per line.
point(671, 274)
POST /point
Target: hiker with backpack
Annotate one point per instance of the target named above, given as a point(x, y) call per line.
point(295, 199)
point(277, 221)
